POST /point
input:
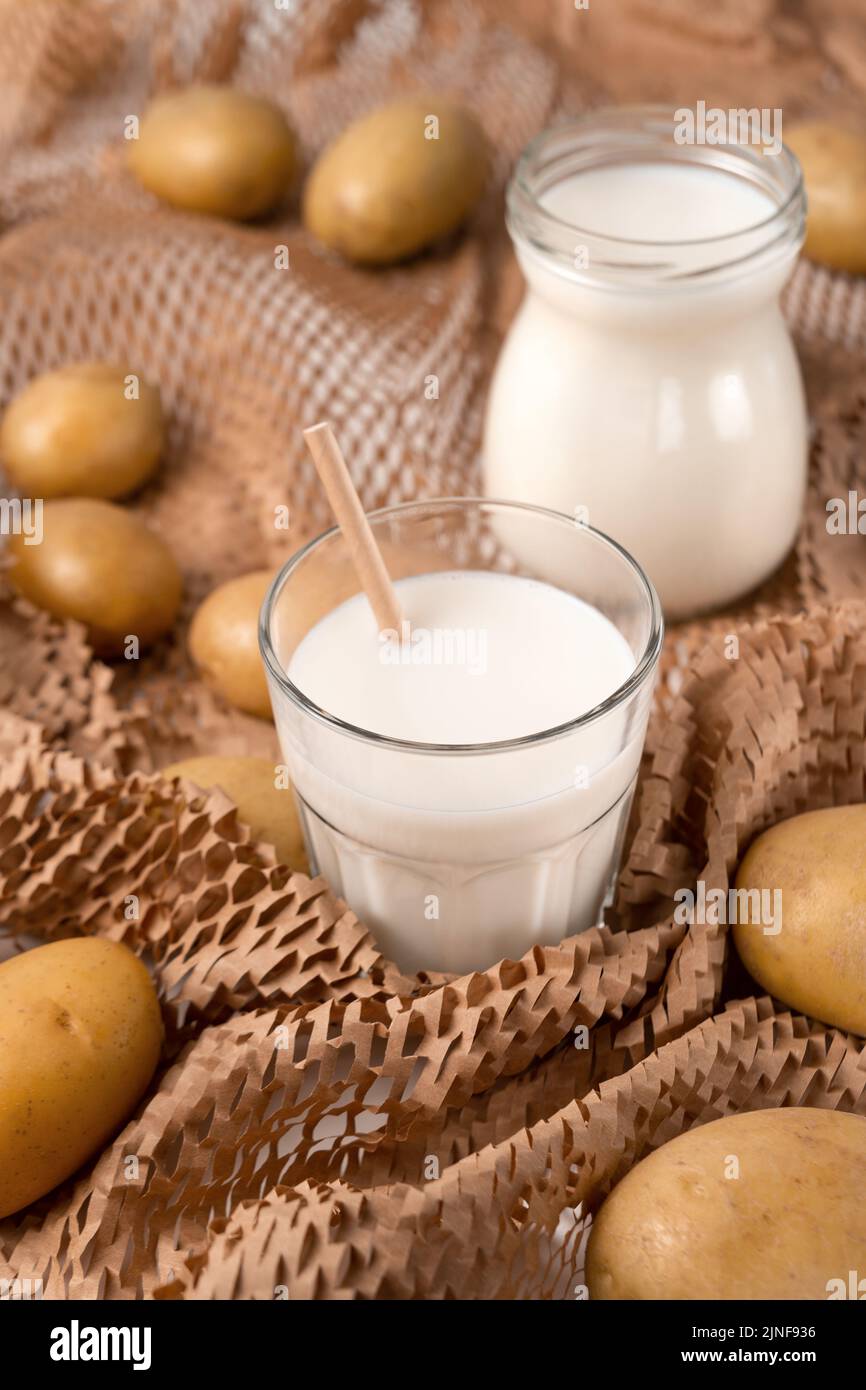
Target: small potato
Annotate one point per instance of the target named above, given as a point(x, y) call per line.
point(834, 168)
point(75, 433)
point(384, 189)
point(80, 1037)
point(816, 962)
point(215, 150)
point(224, 642)
point(101, 565)
point(785, 1222)
point(269, 812)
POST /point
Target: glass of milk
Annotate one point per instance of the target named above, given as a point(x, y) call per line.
point(649, 380)
point(464, 783)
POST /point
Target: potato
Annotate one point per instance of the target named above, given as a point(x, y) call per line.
point(74, 433)
point(80, 1037)
point(384, 190)
point(817, 961)
point(215, 150)
point(679, 1226)
point(834, 168)
point(224, 642)
point(269, 812)
point(101, 565)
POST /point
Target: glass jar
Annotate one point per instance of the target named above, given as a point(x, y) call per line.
point(650, 386)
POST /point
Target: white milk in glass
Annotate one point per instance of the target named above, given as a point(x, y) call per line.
point(456, 856)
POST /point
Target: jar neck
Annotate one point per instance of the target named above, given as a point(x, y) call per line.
point(632, 136)
point(704, 308)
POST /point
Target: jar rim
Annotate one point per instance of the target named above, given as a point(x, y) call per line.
point(645, 134)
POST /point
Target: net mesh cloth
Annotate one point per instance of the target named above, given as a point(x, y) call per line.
point(321, 1123)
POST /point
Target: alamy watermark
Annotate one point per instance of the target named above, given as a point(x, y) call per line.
point(20, 1290)
point(77, 1343)
point(846, 517)
point(21, 516)
point(853, 1288)
point(711, 125)
point(438, 646)
point(713, 907)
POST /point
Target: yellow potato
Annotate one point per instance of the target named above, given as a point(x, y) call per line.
point(80, 1037)
point(681, 1226)
point(75, 433)
point(384, 190)
point(224, 642)
point(816, 963)
point(215, 150)
point(269, 812)
point(101, 565)
point(834, 169)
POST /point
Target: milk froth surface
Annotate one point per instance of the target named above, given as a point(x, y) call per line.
point(490, 657)
point(659, 202)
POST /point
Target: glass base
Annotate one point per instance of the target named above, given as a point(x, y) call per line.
point(429, 915)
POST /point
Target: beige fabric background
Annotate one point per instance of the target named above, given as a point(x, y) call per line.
point(308, 1163)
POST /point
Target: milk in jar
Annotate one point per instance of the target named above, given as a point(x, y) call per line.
point(648, 383)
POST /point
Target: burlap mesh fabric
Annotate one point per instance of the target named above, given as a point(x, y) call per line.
point(321, 1124)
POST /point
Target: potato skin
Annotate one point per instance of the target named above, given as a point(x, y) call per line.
point(676, 1228)
point(100, 565)
point(73, 433)
point(224, 642)
point(80, 1037)
point(270, 813)
point(833, 160)
point(382, 191)
point(817, 962)
point(215, 150)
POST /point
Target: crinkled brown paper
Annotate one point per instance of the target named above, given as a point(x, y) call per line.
point(322, 1126)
